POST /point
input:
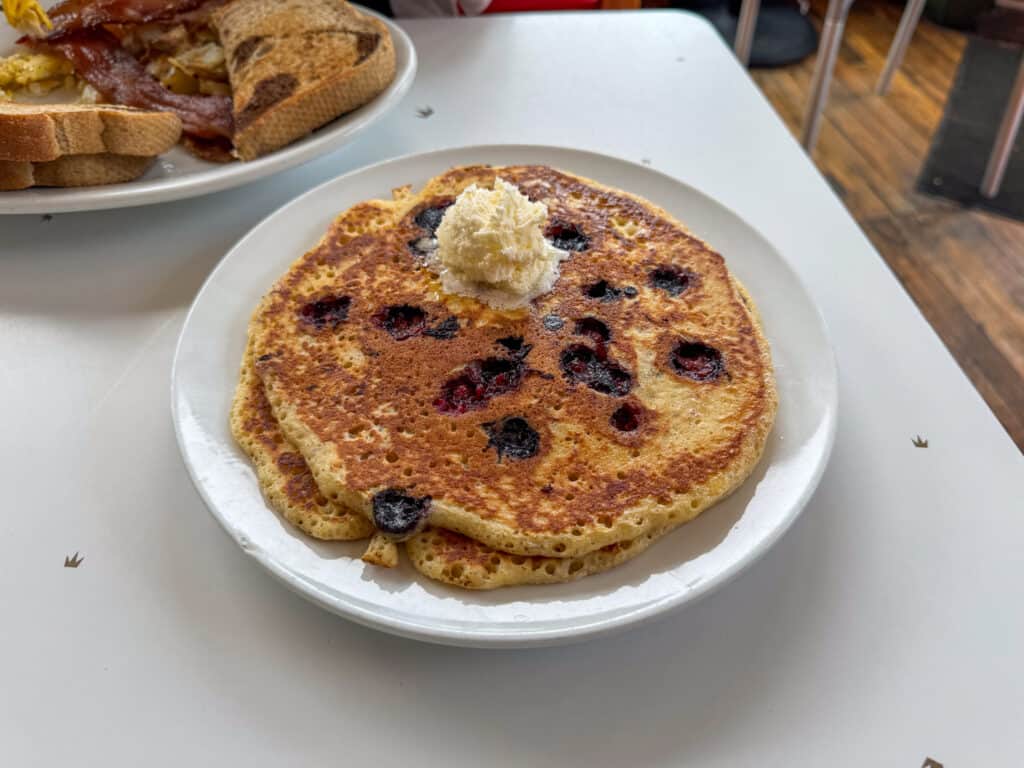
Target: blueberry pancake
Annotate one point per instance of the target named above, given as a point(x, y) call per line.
point(442, 555)
point(622, 400)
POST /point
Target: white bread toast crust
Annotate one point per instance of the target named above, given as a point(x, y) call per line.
point(36, 133)
point(73, 171)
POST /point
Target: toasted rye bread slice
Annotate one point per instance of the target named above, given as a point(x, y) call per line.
point(40, 132)
point(295, 65)
point(72, 171)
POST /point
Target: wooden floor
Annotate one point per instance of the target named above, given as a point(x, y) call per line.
point(965, 269)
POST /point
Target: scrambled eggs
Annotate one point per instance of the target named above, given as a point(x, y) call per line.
point(185, 61)
point(26, 15)
point(34, 73)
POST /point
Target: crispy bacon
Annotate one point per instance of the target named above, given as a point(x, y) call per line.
point(73, 15)
point(210, 150)
point(99, 59)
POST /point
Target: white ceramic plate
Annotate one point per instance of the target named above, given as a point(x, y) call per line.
point(178, 174)
point(681, 567)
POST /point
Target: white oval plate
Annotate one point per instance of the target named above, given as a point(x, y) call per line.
point(684, 565)
point(178, 174)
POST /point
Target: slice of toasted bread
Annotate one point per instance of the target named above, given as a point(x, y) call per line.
point(42, 132)
point(295, 65)
point(72, 171)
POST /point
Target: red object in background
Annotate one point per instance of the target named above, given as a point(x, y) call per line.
point(516, 6)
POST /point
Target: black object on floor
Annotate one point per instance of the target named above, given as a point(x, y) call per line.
point(783, 35)
point(1006, 24)
point(961, 145)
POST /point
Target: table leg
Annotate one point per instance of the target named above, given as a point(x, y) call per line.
point(831, 39)
point(908, 23)
point(745, 30)
point(1005, 139)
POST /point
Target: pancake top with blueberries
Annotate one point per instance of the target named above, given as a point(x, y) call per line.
point(627, 399)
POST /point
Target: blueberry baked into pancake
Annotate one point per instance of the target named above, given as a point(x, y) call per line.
point(520, 375)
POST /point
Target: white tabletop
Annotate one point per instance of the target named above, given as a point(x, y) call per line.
point(886, 627)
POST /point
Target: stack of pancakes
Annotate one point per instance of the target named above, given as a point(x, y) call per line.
point(525, 446)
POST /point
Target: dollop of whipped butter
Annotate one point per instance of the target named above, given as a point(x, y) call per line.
point(491, 246)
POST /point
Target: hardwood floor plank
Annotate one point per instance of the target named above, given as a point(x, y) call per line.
point(962, 257)
point(1006, 234)
point(886, 160)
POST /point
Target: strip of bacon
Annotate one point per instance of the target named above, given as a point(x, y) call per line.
point(73, 15)
point(100, 60)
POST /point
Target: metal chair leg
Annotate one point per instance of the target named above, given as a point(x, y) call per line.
point(745, 30)
point(908, 23)
point(1005, 139)
point(831, 39)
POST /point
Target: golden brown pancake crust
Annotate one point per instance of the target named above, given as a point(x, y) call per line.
point(361, 405)
point(284, 477)
point(462, 562)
